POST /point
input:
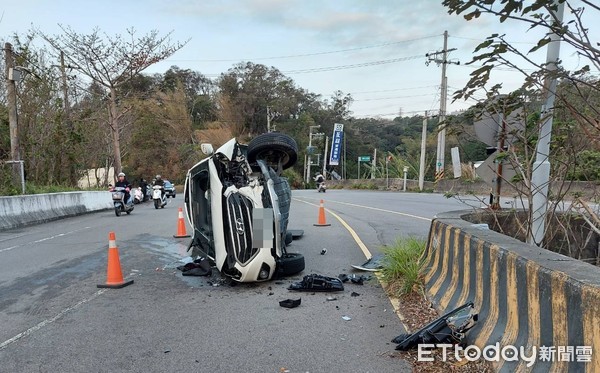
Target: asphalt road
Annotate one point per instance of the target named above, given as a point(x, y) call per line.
point(53, 318)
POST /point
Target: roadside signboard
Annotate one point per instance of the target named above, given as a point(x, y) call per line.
point(336, 144)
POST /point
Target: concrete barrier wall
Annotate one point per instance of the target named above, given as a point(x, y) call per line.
point(525, 296)
point(19, 211)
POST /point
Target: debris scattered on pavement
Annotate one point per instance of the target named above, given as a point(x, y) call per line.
point(449, 328)
point(290, 303)
point(314, 282)
point(323, 251)
point(354, 294)
point(343, 277)
point(330, 299)
point(199, 267)
point(373, 264)
point(346, 318)
point(359, 280)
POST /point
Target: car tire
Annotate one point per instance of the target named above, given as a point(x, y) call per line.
point(290, 264)
point(273, 147)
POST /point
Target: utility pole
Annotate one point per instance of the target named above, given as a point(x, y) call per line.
point(310, 149)
point(373, 164)
point(268, 119)
point(441, 147)
point(422, 161)
point(541, 167)
point(11, 92)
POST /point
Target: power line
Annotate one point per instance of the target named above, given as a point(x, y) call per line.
point(308, 54)
point(392, 98)
point(389, 114)
point(353, 66)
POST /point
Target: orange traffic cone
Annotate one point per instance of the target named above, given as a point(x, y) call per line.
point(114, 277)
point(321, 222)
point(181, 226)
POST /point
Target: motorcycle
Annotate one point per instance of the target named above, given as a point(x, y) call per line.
point(159, 198)
point(321, 187)
point(138, 195)
point(118, 197)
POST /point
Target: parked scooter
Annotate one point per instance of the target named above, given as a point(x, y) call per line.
point(138, 195)
point(118, 197)
point(321, 187)
point(159, 197)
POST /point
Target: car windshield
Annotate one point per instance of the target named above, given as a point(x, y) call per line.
point(168, 184)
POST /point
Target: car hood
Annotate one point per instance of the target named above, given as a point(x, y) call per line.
point(227, 149)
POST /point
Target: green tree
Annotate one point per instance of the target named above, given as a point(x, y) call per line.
point(199, 90)
point(247, 89)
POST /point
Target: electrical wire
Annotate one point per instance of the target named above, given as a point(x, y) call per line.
point(308, 54)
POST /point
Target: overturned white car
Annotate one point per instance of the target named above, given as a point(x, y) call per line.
point(238, 206)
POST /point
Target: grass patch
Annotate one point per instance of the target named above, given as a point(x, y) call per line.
point(402, 265)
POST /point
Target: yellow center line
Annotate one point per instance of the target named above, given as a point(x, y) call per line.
point(395, 302)
point(354, 235)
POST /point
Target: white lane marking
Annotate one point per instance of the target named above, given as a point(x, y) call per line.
point(378, 209)
point(29, 331)
point(40, 325)
point(383, 210)
point(44, 239)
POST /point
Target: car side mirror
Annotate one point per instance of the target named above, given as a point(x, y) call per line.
point(207, 149)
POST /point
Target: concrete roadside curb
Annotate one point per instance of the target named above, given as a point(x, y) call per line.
point(525, 296)
point(19, 211)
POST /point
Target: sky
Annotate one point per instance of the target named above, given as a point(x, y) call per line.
point(374, 50)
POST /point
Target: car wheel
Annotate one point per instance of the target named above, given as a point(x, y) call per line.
point(290, 264)
point(273, 147)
